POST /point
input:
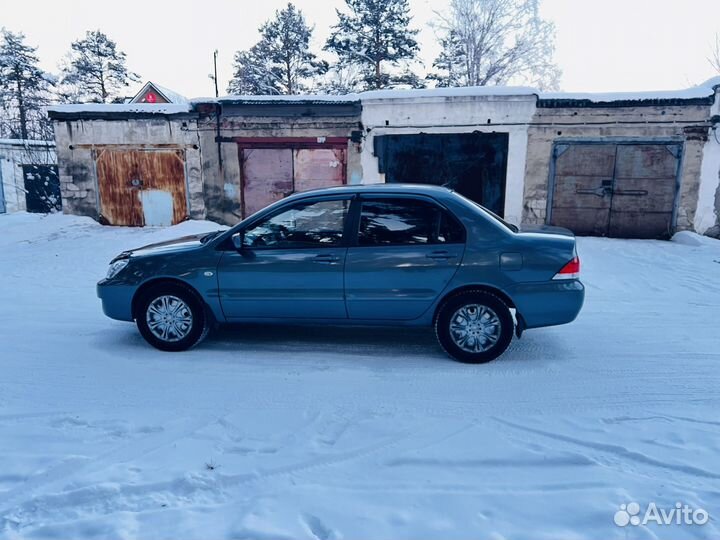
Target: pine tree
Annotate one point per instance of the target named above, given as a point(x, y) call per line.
point(24, 90)
point(252, 74)
point(281, 62)
point(95, 70)
point(449, 63)
point(372, 34)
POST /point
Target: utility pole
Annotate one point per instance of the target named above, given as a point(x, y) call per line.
point(214, 76)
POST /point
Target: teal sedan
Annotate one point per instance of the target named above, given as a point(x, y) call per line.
point(385, 254)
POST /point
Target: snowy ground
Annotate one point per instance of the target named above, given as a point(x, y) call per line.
point(355, 433)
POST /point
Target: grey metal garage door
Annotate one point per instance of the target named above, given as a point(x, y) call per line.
point(624, 190)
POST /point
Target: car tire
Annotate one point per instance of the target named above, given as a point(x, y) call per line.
point(172, 318)
point(474, 327)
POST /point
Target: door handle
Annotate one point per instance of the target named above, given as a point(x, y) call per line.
point(440, 255)
point(632, 192)
point(326, 259)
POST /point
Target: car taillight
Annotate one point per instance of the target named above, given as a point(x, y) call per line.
point(570, 271)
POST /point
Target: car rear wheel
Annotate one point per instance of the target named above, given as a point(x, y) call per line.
point(474, 327)
point(171, 318)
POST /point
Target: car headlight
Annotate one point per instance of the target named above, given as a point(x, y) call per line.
point(115, 268)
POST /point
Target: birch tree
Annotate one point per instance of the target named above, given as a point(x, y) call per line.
point(495, 42)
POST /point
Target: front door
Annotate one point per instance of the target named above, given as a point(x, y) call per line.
point(291, 265)
point(407, 251)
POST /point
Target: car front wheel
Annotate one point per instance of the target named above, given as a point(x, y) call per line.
point(474, 327)
point(171, 318)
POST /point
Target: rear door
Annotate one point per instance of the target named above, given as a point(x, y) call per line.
point(406, 251)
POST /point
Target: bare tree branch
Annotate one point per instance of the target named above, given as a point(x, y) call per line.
point(714, 57)
point(495, 42)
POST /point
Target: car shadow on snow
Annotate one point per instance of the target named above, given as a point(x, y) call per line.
point(334, 344)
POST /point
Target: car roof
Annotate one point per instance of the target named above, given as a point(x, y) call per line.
point(413, 189)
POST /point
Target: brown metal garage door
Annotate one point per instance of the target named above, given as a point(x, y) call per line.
point(269, 174)
point(618, 190)
point(142, 187)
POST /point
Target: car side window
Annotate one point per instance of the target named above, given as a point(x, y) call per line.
point(305, 225)
point(386, 222)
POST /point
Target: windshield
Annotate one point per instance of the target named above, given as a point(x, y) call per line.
point(210, 236)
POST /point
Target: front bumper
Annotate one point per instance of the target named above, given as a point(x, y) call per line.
point(548, 303)
point(116, 299)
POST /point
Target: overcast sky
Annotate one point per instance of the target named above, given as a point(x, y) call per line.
point(602, 45)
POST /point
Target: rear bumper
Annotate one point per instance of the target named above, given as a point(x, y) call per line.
point(548, 303)
point(116, 299)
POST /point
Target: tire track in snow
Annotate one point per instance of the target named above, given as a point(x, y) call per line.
point(616, 450)
point(125, 452)
point(105, 499)
point(95, 499)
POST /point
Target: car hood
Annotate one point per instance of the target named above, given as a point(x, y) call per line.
point(546, 229)
point(185, 243)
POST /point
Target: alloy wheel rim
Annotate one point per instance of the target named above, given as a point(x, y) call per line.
point(475, 328)
point(169, 318)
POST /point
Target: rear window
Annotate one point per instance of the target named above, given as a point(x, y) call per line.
point(385, 222)
point(506, 224)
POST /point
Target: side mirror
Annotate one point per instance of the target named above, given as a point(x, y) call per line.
point(238, 240)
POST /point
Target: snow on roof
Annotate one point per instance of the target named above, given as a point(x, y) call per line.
point(139, 108)
point(703, 90)
point(301, 98)
point(379, 94)
point(169, 95)
point(467, 91)
point(25, 142)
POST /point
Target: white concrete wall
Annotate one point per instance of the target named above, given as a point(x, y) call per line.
point(12, 156)
point(462, 114)
point(706, 214)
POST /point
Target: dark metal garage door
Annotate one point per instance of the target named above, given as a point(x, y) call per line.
point(474, 164)
point(42, 188)
point(624, 190)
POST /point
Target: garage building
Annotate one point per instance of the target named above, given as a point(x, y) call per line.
point(28, 176)
point(626, 165)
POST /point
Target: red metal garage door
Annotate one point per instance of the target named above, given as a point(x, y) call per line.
point(270, 174)
point(619, 190)
point(267, 176)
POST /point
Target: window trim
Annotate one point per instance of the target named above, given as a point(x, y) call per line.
point(290, 206)
point(356, 213)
